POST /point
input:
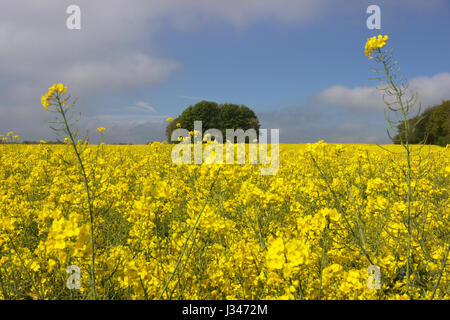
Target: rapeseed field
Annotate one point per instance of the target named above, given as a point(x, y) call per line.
point(213, 231)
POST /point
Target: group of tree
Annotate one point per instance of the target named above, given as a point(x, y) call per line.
point(430, 127)
point(215, 116)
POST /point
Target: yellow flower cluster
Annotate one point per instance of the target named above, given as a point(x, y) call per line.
point(303, 233)
point(52, 91)
point(9, 135)
point(375, 43)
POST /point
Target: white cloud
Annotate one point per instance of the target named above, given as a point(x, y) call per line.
point(360, 98)
point(431, 90)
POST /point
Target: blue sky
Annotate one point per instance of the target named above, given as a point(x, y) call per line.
point(298, 64)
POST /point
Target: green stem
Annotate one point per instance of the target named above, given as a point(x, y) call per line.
point(88, 194)
point(405, 144)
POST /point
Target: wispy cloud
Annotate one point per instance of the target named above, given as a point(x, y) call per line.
point(142, 106)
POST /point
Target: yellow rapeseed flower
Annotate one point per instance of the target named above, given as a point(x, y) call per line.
point(56, 88)
point(374, 43)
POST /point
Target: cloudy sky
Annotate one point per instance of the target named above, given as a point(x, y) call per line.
point(298, 63)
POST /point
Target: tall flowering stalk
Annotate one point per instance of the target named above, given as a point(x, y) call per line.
point(58, 98)
point(400, 102)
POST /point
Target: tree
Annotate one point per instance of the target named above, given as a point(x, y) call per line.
point(212, 115)
point(438, 126)
point(233, 116)
point(431, 127)
point(205, 111)
point(170, 127)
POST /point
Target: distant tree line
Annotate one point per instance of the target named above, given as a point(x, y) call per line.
point(38, 142)
point(32, 142)
point(215, 116)
point(430, 127)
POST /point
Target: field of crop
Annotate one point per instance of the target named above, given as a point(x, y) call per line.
point(167, 231)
